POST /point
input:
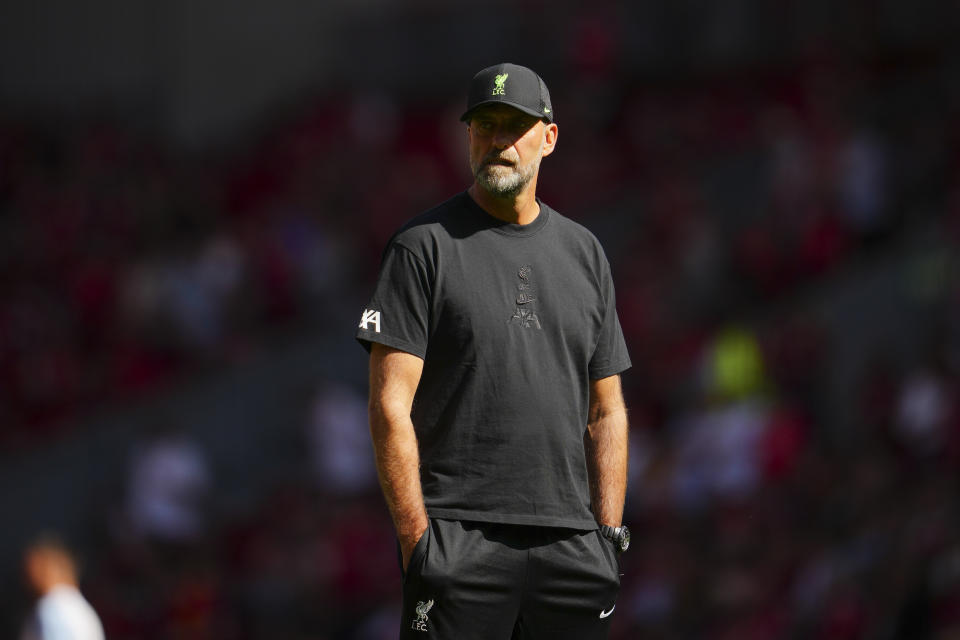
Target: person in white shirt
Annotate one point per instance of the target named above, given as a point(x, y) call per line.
point(61, 611)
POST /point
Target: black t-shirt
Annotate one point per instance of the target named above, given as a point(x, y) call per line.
point(512, 322)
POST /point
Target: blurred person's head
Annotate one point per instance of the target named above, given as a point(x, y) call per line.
point(48, 563)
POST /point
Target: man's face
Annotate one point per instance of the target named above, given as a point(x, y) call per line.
point(37, 569)
point(506, 146)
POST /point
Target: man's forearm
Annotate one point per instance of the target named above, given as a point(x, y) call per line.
point(398, 467)
point(606, 448)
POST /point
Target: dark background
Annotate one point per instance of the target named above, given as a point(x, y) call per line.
point(193, 201)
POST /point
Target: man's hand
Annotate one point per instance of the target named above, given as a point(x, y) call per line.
point(407, 545)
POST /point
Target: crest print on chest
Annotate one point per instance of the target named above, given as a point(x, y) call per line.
point(525, 313)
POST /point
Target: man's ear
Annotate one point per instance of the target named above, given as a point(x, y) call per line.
point(550, 134)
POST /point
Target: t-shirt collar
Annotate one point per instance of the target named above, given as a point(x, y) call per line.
point(507, 228)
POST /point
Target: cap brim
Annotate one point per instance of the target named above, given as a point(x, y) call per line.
point(519, 107)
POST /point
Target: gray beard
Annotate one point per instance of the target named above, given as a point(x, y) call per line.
point(500, 185)
point(505, 182)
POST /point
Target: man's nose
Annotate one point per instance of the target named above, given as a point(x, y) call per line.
point(502, 138)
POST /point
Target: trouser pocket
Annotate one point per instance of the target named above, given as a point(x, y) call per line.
point(417, 557)
point(609, 549)
point(421, 588)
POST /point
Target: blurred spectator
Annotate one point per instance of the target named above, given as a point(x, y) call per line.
point(863, 174)
point(733, 366)
point(168, 488)
point(200, 289)
point(61, 611)
point(718, 454)
point(924, 409)
point(341, 455)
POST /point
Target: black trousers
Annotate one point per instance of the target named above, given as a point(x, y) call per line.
point(487, 581)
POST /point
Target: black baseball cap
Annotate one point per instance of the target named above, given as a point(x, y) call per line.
point(512, 85)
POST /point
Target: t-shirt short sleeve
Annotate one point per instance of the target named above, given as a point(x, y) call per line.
point(398, 314)
point(610, 355)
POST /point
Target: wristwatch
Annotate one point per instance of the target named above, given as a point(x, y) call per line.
point(620, 536)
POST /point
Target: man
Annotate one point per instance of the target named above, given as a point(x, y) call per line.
point(61, 612)
point(499, 428)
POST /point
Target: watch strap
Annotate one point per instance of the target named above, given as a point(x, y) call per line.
point(608, 532)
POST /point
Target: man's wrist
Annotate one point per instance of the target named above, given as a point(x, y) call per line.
point(619, 536)
point(411, 535)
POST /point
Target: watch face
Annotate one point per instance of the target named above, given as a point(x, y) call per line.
point(624, 538)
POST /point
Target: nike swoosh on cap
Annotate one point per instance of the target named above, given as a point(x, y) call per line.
point(604, 614)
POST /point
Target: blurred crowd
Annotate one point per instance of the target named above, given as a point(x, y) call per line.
point(726, 205)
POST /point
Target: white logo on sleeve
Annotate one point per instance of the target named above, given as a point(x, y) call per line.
point(369, 315)
point(604, 614)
